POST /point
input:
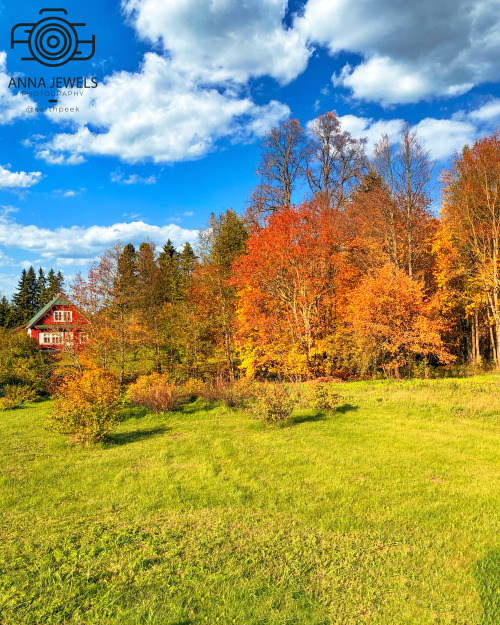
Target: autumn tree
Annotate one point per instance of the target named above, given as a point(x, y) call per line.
point(406, 170)
point(471, 214)
point(393, 324)
point(291, 285)
point(335, 161)
point(281, 167)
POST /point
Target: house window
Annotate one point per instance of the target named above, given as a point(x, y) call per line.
point(63, 316)
point(51, 338)
point(84, 338)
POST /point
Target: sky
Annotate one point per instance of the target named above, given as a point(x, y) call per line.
point(187, 88)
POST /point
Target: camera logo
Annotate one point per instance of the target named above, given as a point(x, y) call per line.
point(53, 41)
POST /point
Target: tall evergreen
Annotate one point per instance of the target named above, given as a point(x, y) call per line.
point(55, 283)
point(187, 263)
point(41, 289)
point(168, 261)
point(4, 312)
point(24, 301)
point(126, 279)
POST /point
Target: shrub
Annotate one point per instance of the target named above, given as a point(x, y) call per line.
point(155, 392)
point(274, 404)
point(7, 404)
point(19, 393)
point(86, 405)
point(321, 397)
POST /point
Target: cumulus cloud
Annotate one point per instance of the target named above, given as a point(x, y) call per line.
point(411, 50)
point(223, 40)
point(18, 179)
point(160, 114)
point(84, 243)
point(442, 137)
point(12, 106)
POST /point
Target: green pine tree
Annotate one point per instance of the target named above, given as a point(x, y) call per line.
point(4, 312)
point(168, 261)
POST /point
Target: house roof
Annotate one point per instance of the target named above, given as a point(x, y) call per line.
point(58, 300)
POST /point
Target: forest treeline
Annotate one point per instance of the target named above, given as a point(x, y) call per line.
point(338, 267)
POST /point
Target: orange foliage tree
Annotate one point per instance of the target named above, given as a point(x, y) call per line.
point(392, 322)
point(291, 292)
point(471, 213)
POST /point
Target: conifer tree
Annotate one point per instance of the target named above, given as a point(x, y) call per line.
point(41, 289)
point(168, 261)
point(4, 312)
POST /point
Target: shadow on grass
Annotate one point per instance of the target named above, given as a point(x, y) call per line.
point(487, 573)
point(346, 408)
point(133, 412)
point(307, 417)
point(124, 438)
point(198, 405)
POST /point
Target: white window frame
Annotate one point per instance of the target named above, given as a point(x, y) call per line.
point(51, 338)
point(66, 316)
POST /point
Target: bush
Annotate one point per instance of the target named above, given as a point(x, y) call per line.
point(86, 405)
point(233, 394)
point(274, 404)
point(7, 404)
point(321, 397)
point(19, 393)
point(155, 392)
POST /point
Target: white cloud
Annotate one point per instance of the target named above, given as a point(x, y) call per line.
point(223, 40)
point(489, 112)
point(5, 260)
point(118, 176)
point(19, 179)
point(372, 130)
point(445, 136)
point(79, 242)
point(158, 113)
point(11, 106)
point(442, 137)
point(411, 50)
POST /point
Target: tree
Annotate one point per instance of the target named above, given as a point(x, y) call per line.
point(168, 261)
point(4, 312)
point(150, 297)
point(393, 323)
point(214, 295)
point(292, 286)
point(25, 300)
point(406, 171)
point(335, 161)
point(282, 164)
point(40, 289)
point(55, 284)
point(471, 214)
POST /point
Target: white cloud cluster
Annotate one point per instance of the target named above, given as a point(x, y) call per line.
point(81, 244)
point(223, 40)
point(12, 106)
point(442, 137)
point(411, 50)
point(18, 179)
point(158, 113)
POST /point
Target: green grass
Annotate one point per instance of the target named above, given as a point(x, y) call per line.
point(386, 512)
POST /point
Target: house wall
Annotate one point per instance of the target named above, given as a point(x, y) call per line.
point(76, 326)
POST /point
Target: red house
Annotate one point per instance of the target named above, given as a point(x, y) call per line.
point(57, 325)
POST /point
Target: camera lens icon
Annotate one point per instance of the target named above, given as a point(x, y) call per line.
point(53, 41)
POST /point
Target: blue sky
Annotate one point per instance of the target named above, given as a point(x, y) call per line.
point(186, 89)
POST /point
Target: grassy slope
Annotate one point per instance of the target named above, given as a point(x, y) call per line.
point(385, 512)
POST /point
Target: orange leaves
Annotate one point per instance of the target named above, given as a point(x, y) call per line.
point(290, 286)
point(392, 322)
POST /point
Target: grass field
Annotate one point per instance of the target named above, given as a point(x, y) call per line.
point(386, 511)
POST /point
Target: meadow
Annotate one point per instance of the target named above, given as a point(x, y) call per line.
point(384, 511)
